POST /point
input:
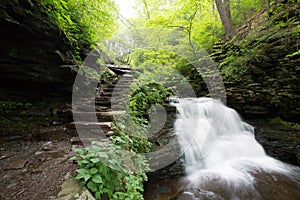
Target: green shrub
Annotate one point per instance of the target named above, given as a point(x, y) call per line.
point(110, 172)
point(143, 97)
point(131, 137)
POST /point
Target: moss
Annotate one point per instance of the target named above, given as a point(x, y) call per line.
point(25, 116)
point(289, 137)
point(288, 125)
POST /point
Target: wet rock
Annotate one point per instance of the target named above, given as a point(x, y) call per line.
point(164, 189)
point(166, 159)
point(278, 141)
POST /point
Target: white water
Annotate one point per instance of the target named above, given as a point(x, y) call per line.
point(222, 155)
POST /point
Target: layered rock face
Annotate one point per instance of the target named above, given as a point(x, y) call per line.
point(35, 55)
point(269, 87)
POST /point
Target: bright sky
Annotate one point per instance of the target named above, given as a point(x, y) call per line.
point(126, 8)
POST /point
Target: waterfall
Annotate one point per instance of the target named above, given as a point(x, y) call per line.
point(222, 157)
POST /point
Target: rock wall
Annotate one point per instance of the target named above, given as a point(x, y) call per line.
point(270, 86)
point(35, 56)
point(268, 54)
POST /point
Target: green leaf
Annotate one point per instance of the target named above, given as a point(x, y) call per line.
point(95, 160)
point(85, 161)
point(82, 171)
point(102, 155)
point(74, 158)
point(97, 179)
point(79, 151)
point(86, 177)
point(105, 190)
point(92, 186)
point(97, 195)
point(93, 170)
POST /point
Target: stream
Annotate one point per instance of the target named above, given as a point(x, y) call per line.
point(223, 160)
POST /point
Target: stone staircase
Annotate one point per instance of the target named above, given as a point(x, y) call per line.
point(97, 124)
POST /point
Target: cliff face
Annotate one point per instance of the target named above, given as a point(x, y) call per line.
point(265, 63)
point(270, 86)
point(35, 55)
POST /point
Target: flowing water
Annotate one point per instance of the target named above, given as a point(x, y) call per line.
point(224, 161)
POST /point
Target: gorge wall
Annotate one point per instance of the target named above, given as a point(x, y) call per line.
point(264, 64)
point(36, 57)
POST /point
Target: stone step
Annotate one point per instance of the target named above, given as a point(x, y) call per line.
point(126, 76)
point(106, 94)
point(122, 71)
point(116, 104)
point(125, 80)
point(89, 108)
point(117, 89)
point(88, 130)
point(118, 67)
point(100, 116)
point(102, 98)
point(116, 96)
point(119, 85)
point(102, 103)
point(78, 142)
point(89, 125)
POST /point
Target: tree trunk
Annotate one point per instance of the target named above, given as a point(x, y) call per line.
point(146, 9)
point(224, 12)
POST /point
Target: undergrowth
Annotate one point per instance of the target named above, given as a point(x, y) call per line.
point(115, 168)
point(110, 172)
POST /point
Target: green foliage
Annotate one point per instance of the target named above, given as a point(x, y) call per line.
point(23, 117)
point(83, 22)
point(130, 135)
point(243, 10)
point(106, 76)
point(297, 53)
point(234, 65)
point(287, 132)
point(143, 97)
point(110, 172)
point(166, 68)
point(9, 107)
point(280, 122)
point(196, 20)
point(285, 12)
point(279, 31)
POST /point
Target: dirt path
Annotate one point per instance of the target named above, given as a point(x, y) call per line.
point(35, 169)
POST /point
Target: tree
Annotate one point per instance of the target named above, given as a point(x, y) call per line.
point(224, 12)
